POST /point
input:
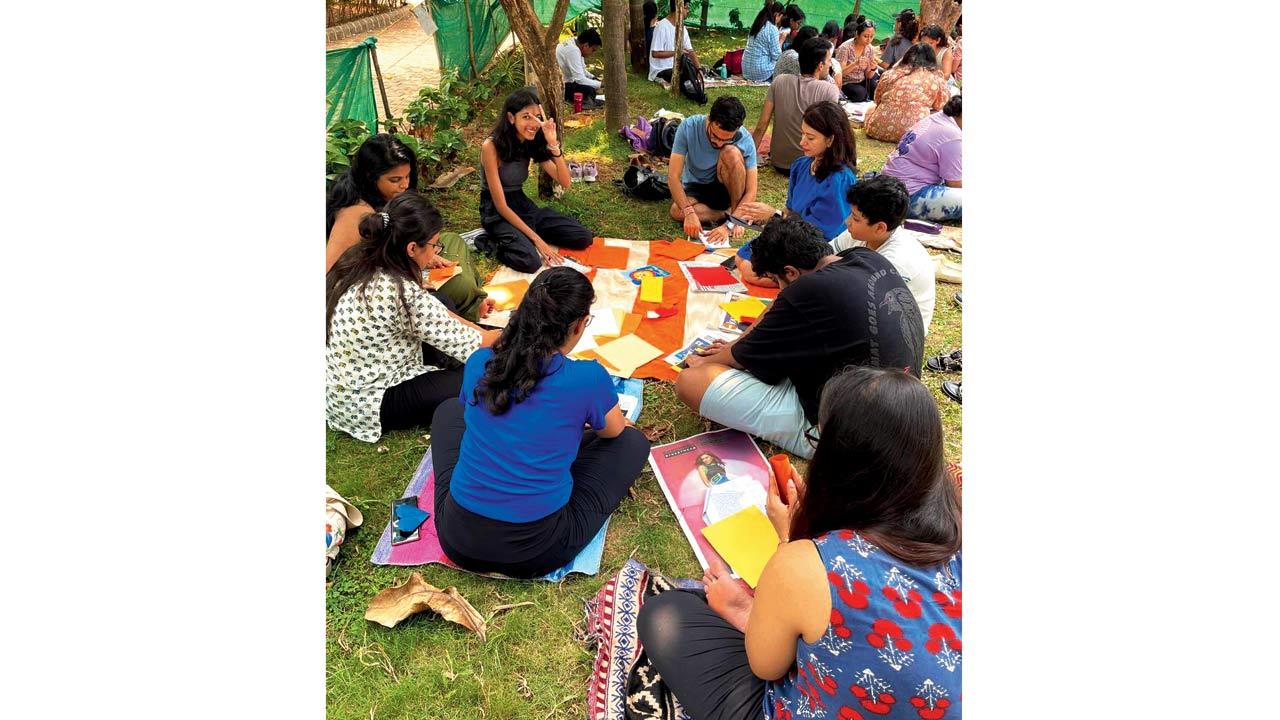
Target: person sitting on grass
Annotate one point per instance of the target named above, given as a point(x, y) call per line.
point(869, 565)
point(878, 205)
point(789, 60)
point(794, 17)
point(517, 231)
point(858, 58)
point(382, 168)
point(819, 179)
point(379, 321)
point(906, 29)
point(662, 47)
point(764, 44)
point(928, 161)
point(906, 94)
point(713, 169)
point(577, 79)
point(833, 310)
point(788, 98)
point(520, 488)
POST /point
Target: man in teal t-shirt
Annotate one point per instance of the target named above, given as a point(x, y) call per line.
point(713, 169)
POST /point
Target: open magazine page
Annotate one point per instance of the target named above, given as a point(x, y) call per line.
point(709, 477)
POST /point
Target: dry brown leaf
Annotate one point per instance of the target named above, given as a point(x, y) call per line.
point(414, 595)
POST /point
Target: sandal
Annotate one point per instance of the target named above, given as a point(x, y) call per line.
point(959, 301)
point(952, 390)
point(945, 362)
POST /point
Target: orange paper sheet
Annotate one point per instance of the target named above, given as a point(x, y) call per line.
point(507, 295)
point(677, 249)
point(600, 255)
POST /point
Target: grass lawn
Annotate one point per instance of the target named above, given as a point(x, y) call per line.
point(531, 666)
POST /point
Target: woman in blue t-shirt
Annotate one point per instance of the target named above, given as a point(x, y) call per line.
point(858, 612)
point(520, 487)
point(819, 181)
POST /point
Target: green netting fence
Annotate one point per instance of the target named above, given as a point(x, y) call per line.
point(349, 85)
point(470, 31)
point(469, 34)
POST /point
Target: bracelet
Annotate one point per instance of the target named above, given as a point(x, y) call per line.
point(688, 209)
point(557, 153)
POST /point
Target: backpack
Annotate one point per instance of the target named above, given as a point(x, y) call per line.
point(662, 137)
point(732, 61)
point(691, 82)
point(644, 183)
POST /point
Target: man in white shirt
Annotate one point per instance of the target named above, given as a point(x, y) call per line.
point(570, 54)
point(662, 50)
point(879, 207)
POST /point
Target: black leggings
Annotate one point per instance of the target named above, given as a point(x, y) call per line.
point(700, 656)
point(412, 403)
point(513, 248)
point(602, 474)
point(862, 90)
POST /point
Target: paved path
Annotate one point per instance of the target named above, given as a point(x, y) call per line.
point(408, 59)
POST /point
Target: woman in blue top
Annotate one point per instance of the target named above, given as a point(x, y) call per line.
point(520, 487)
point(818, 182)
point(764, 44)
point(857, 614)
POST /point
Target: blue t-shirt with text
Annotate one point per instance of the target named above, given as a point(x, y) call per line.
point(514, 467)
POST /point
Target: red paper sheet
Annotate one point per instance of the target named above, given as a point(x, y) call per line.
point(712, 277)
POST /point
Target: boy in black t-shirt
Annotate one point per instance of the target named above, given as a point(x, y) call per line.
point(833, 311)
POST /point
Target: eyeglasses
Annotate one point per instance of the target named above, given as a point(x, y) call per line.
point(590, 318)
point(811, 434)
point(438, 246)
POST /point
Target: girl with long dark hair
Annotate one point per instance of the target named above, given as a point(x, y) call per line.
point(906, 94)
point(518, 233)
point(818, 181)
point(764, 44)
point(520, 488)
point(378, 318)
point(382, 168)
point(867, 576)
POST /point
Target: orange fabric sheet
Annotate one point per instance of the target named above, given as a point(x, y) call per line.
point(600, 255)
point(677, 249)
point(666, 334)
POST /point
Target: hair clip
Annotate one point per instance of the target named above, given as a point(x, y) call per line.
point(386, 219)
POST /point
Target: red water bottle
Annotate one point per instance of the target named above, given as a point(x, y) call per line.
point(577, 102)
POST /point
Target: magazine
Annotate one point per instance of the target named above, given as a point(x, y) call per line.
point(709, 477)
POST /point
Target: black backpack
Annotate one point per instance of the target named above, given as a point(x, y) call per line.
point(643, 183)
point(691, 82)
point(663, 136)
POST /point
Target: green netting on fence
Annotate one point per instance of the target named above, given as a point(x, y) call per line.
point(721, 13)
point(349, 85)
point(469, 33)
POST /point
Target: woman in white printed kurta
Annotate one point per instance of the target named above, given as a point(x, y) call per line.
point(380, 317)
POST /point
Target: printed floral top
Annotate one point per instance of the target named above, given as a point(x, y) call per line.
point(855, 65)
point(375, 342)
point(902, 100)
point(892, 648)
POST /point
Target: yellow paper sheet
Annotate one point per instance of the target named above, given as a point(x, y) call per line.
point(627, 353)
point(746, 540)
point(651, 289)
point(739, 309)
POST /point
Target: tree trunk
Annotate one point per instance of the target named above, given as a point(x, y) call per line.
point(639, 53)
point(540, 53)
point(706, 5)
point(679, 46)
point(943, 13)
point(615, 67)
point(857, 6)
